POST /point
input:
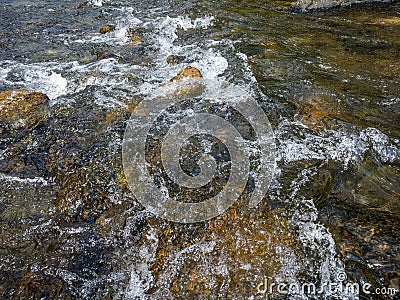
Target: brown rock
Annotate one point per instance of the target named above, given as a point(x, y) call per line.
point(134, 36)
point(38, 286)
point(84, 5)
point(23, 108)
point(268, 43)
point(319, 111)
point(107, 28)
point(104, 54)
point(387, 21)
point(135, 40)
point(175, 59)
point(246, 248)
point(188, 72)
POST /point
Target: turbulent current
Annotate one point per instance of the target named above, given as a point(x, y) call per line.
point(329, 84)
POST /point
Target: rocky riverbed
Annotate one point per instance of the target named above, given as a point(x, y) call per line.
point(72, 73)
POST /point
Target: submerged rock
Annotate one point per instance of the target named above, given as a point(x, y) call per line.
point(85, 4)
point(319, 111)
point(372, 185)
point(175, 59)
point(69, 175)
point(308, 5)
point(107, 28)
point(104, 54)
point(135, 40)
point(22, 109)
point(368, 242)
point(362, 212)
point(135, 36)
point(233, 253)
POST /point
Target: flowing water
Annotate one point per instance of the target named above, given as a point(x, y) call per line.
point(329, 83)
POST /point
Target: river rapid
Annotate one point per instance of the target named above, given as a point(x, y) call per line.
point(329, 83)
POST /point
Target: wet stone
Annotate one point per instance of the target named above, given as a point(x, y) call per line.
point(319, 111)
point(188, 72)
point(84, 5)
point(135, 40)
point(175, 59)
point(84, 236)
point(225, 257)
point(52, 194)
point(107, 28)
point(22, 109)
point(367, 241)
point(104, 54)
point(39, 286)
point(371, 185)
point(362, 213)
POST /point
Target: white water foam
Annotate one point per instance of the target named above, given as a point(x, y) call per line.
point(168, 27)
point(119, 36)
point(96, 2)
point(203, 56)
point(43, 77)
point(341, 145)
point(316, 239)
point(60, 79)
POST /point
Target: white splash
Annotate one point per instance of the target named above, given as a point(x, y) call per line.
point(125, 21)
point(341, 145)
point(96, 2)
point(212, 64)
point(43, 77)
